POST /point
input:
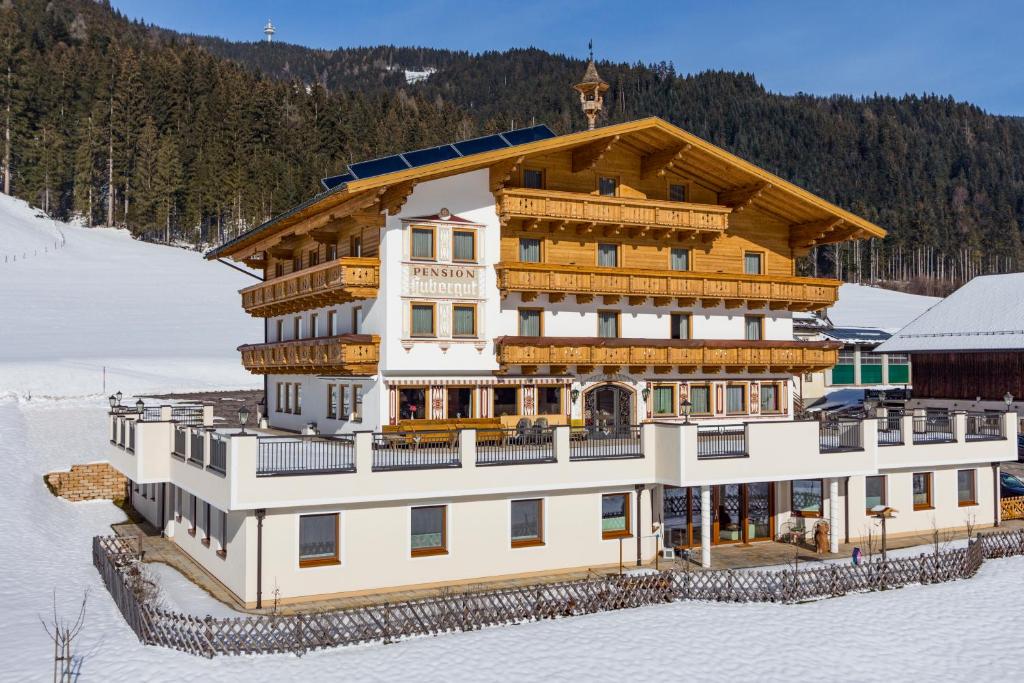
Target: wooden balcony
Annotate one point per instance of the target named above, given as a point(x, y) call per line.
point(666, 287)
point(686, 356)
point(348, 354)
point(330, 283)
point(582, 213)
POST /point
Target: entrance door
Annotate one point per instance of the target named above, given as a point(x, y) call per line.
point(729, 513)
point(609, 410)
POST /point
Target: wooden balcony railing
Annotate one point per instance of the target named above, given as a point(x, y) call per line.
point(666, 286)
point(330, 283)
point(646, 214)
point(348, 354)
point(688, 355)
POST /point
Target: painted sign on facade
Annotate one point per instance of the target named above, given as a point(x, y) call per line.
point(442, 281)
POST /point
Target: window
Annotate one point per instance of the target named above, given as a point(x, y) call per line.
point(343, 396)
point(464, 320)
point(608, 324)
point(680, 326)
point(332, 252)
point(752, 263)
point(965, 488)
point(460, 402)
point(428, 531)
point(874, 492)
point(922, 490)
point(357, 403)
point(533, 178)
point(318, 540)
point(314, 324)
point(842, 372)
point(735, 399)
point(608, 186)
point(412, 403)
point(355, 245)
point(296, 327)
point(700, 400)
point(423, 243)
point(806, 498)
point(193, 509)
point(332, 401)
point(529, 250)
point(296, 264)
point(676, 192)
point(423, 320)
point(179, 506)
point(279, 325)
point(608, 255)
point(680, 259)
point(770, 398)
point(332, 323)
point(357, 320)
point(463, 245)
point(664, 400)
point(753, 327)
point(297, 402)
point(530, 322)
point(870, 368)
point(278, 269)
point(287, 397)
point(549, 400)
point(505, 402)
point(206, 524)
point(527, 523)
point(314, 257)
point(615, 515)
point(222, 533)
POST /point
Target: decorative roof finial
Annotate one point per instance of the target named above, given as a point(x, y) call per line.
point(591, 90)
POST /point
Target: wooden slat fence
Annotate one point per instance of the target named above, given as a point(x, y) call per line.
point(1012, 508)
point(467, 611)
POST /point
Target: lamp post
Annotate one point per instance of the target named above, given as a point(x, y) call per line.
point(113, 401)
point(140, 407)
point(686, 411)
point(1008, 400)
point(243, 417)
point(118, 397)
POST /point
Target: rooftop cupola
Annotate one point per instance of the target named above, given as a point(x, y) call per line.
point(591, 90)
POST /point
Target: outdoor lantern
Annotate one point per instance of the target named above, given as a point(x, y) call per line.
point(1007, 399)
point(113, 400)
point(118, 397)
point(686, 411)
point(574, 394)
point(140, 406)
point(645, 392)
point(243, 417)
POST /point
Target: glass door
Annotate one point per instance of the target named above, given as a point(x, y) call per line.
point(759, 512)
point(729, 511)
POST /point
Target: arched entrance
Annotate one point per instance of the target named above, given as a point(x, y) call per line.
point(608, 410)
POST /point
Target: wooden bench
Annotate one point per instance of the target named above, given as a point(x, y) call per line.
point(441, 431)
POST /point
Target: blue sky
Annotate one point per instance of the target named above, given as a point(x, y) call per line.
point(968, 49)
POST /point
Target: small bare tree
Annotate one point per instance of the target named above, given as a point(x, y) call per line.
point(869, 543)
point(970, 522)
point(63, 632)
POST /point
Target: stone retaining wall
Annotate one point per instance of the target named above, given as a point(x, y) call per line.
point(97, 480)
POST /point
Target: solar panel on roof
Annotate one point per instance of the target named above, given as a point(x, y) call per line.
point(480, 145)
point(522, 136)
point(421, 157)
point(368, 169)
point(335, 180)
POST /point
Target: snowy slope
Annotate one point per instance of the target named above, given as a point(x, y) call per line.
point(158, 318)
point(884, 309)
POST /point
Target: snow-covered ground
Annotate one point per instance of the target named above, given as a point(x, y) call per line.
point(157, 318)
point(884, 309)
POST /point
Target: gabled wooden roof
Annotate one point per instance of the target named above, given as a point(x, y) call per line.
point(660, 145)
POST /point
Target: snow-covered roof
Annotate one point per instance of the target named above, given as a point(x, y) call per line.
point(985, 314)
point(873, 307)
point(857, 335)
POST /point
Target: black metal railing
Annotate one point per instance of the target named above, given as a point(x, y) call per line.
point(187, 415)
point(291, 455)
point(196, 447)
point(721, 441)
point(837, 436)
point(180, 436)
point(415, 450)
point(130, 428)
point(150, 414)
point(589, 443)
point(515, 446)
point(890, 430)
point(218, 453)
point(984, 426)
point(933, 428)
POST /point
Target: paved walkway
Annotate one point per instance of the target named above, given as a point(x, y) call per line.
point(158, 549)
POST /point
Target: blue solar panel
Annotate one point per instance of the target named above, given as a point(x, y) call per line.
point(368, 169)
point(480, 145)
point(421, 157)
point(432, 155)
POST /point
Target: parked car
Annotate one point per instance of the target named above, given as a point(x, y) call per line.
point(1010, 486)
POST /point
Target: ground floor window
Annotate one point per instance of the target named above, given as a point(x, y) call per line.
point(806, 497)
point(178, 505)
point(922, 490)
point(297, 399)
point(221, 532)
point(527, 522)
point(506, 401)
point(735, 399)
point(966, 490)
point(664, 400)
point(615, 515)
point(429, 530)
point(874, 492)
point(205, 524)
point(460, 402)
point(700, 400)
point(357, 403)
point(193, 516)
point(549, 400)
point(332, 401)
point(318, 540)
point(770, 398)
point(412, 403)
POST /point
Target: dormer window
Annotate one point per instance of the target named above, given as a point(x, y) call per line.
point(533, 178)
point(608, 186)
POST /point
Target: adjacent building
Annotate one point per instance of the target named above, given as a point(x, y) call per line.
point(527, 353)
